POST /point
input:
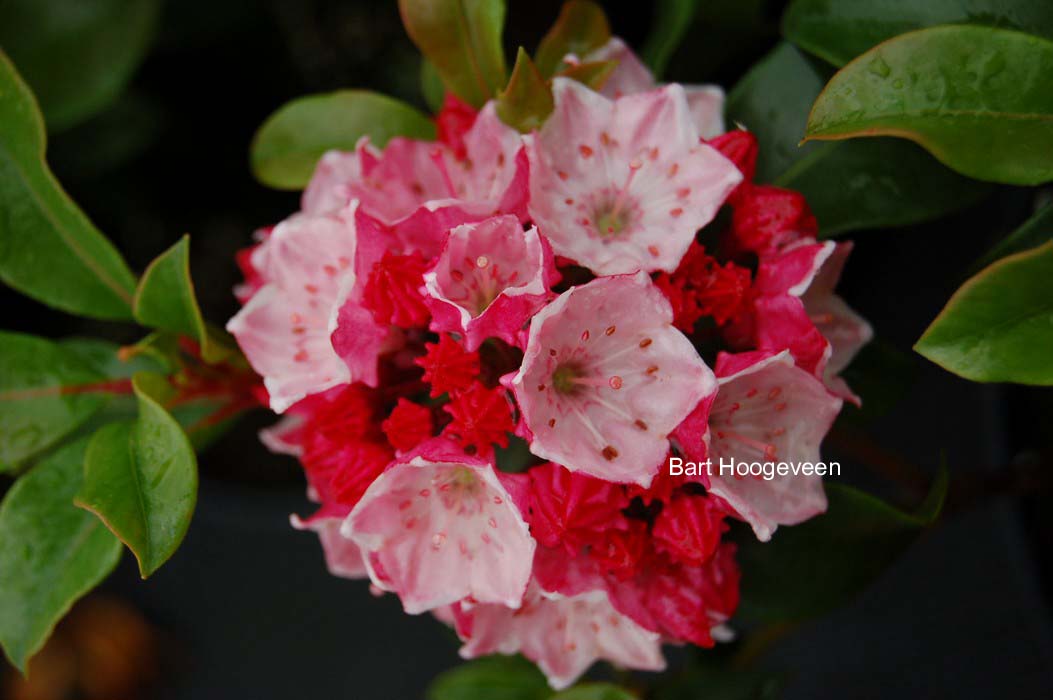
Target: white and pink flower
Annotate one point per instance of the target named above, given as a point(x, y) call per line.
point(769, 410)
point(563, 635)
point(623, 185)
point(606, 377)
point(490, 279)
point(473, 340)
point(440, 528)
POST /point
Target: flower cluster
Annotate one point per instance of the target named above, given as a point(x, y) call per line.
point(487, 347)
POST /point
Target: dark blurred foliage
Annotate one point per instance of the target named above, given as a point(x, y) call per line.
point(248, 607)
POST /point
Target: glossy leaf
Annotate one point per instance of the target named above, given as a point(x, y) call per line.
point(850, 185)
point(672, 19)
point(77, 56)
point(46, 392)
point(1034, 232)
point(140, 478)
point(580, 28)
point(998, 327)
point(462, 39)
point(107, 359)
point(885, 183)
point(49, 250)
point(288, 145)
point(595, 691)
point(527, 101)
point(808, 569)
point(491, 678)
point(839, 31)
point(165, 299)
point(51, 552)
point(976, 98)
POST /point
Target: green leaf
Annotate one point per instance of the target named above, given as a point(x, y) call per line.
point(431, 86)
point(808, 569)
point(491, 678)
point(594, 691)
point(527, 101)
point(140, 478)
point(884, 183)
point(580, 28)
point(46, 392)
point(165, 299)
point(48, 248)
point(77, 56)
point(287, 147)
point(839, 31)
point(976, 98)
point(672, 19)
point(850, 185)
point(1034, 232)
point(51, 552)
point(106, 359)
point(462, 39)
point(998, 327)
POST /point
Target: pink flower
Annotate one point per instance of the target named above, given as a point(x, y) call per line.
point(484, 167)
point(623, 185)
point(342, 556)
point(605, 378)
point(491, 277)
point(769, 410)
point(631, 76)
point(330, 187)
point(795, 309)
point(680, 602)
point(307, 263)
point(440, 528)
point(780, 320)
point(845, 329)
point(563, 636)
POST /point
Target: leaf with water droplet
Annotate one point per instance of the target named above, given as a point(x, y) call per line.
point(998, 327)
point(850, 185)
point(46, 392)
point(994, 125)
point(140, 478)
point(51, 552)
point(49, 250)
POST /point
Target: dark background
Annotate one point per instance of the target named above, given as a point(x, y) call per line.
point(246, 608)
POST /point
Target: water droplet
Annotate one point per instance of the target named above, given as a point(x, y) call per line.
point(878, 67)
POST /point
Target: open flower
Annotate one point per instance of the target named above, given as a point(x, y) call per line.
point(845, 329)
point(440, 528)
point(562, 635)
point(606, 377)
point(769, 410)
point(284, 329)
point(491, 277)
point(343, 558)
point(631, 76)
point(484, 168)
point(623, 185)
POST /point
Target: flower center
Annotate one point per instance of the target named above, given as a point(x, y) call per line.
point(611, 222)
point(564, 378)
